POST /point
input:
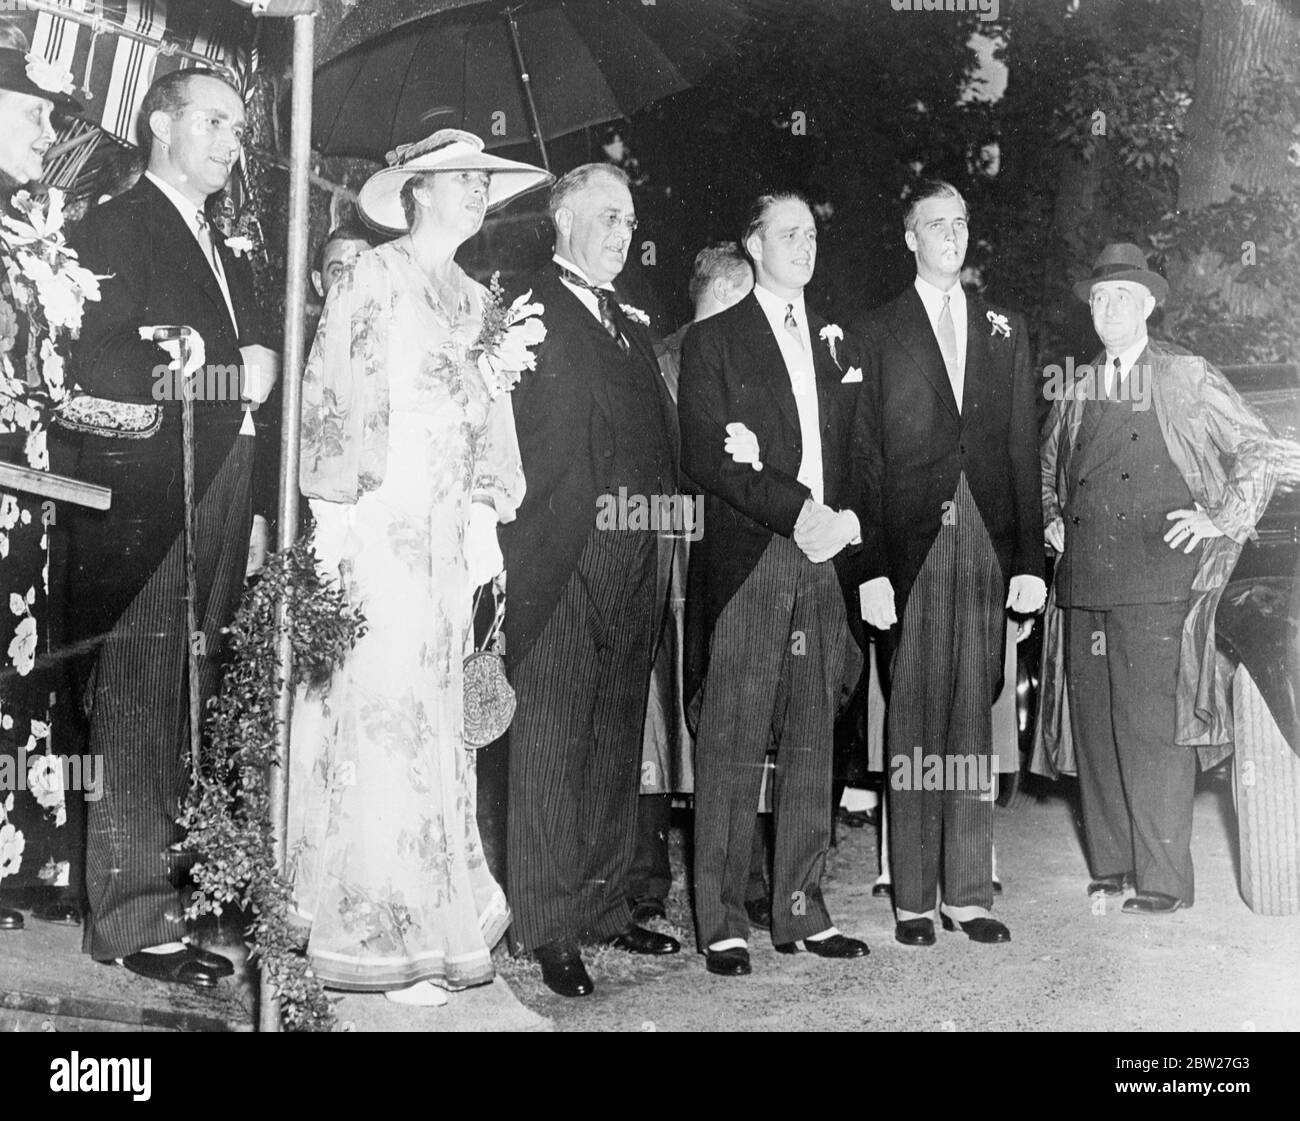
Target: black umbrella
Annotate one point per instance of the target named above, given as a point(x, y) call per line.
point(396, 70)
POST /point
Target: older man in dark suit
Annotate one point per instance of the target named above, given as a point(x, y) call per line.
point(1154, 473)
point(952, 536)
point(598, 443)
point(164, 266)
point(767, 404)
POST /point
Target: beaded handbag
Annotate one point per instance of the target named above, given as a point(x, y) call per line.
point(489, 697)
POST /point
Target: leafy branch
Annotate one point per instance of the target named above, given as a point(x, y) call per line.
point(227, 812)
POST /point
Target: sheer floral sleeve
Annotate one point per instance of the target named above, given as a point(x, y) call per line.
point(345, 387)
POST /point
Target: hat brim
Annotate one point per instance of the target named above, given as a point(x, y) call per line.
point(1153, 282)
point(23, 84)
point(380, 204)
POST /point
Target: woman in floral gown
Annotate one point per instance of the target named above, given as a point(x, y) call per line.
point(41, 292)
point(410, 460)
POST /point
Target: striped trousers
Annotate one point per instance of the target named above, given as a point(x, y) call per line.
point(575, 747)
point(777, 658)
point(139, 723)
point(940, 722)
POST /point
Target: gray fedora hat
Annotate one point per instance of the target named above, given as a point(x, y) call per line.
point(1122, 260)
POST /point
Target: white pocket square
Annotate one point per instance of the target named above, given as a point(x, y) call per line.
point(854, 374)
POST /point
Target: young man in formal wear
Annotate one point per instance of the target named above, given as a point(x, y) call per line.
point(952, 538)
point(163, 264)
point(595, 422)
point(767, 406)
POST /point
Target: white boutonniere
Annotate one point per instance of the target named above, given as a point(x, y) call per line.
point(1000, 325)
point(831, 334)
point(635, 314)
point(51, 78)
point(239, 245)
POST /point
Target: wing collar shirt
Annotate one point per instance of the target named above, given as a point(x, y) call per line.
point(587, 297)
point(932, 298)
point(193, 217)
point(798, 355)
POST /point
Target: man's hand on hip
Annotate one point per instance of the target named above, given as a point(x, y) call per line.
point(1028, 594)
point(877, 600)
point(1191, 528)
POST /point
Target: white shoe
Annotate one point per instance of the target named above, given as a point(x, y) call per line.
point(423, 993)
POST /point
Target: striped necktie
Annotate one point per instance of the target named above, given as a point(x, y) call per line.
point(605, 303)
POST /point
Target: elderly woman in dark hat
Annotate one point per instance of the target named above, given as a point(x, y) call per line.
point(410, 461)
point(41, 294)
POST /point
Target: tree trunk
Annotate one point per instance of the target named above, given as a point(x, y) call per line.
point(1237, 41)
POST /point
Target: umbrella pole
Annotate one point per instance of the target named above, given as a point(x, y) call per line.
point(528, 87)
point(295, 307)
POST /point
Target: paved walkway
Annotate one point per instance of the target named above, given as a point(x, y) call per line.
point(1217, 966)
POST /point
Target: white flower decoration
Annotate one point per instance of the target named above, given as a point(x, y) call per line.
point(45, 781)
point(831, 334)
point(1000, 325)
point(12, 844)
point(239, 245)
point(51, 78)
point(22, 650)
point(635, 314)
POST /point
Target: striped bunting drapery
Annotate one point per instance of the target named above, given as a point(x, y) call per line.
point(112, 72)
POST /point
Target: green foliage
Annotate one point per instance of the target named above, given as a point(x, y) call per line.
point(228, 808)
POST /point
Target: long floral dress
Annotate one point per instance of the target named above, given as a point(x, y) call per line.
point(35, 845)
point(384, 848)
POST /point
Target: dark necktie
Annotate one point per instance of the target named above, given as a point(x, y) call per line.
point(605, 303)
point(792, 325)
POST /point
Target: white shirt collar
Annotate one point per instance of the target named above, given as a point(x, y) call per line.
point(188, 210)
point(774, 306)
point(932, 296)
point(1127, 358)
point(563, 263)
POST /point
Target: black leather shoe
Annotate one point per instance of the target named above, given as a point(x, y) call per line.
point(647, 910)
point(997, 887)
point(836, 946)
point(855, 819)
point(220, 965)
point(638, 940)
point(562, 969)
point(10, 920)
point(61, 914)
point(728, 963)
point(1117, 884)
point(915, 932)
point(182, 967)
point(882, 891)
point(1152, 903)
point(988, 931)
point(759, 912)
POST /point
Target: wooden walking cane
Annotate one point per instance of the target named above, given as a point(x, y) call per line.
point(182, 335)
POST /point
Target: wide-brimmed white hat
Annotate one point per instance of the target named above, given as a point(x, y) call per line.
point(448, 149)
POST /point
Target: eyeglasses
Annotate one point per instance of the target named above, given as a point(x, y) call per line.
point(611, 220)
